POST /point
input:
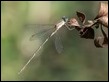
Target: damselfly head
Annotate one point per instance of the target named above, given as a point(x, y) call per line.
point(65, 18)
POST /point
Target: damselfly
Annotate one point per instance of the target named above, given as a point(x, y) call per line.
point(58, 45)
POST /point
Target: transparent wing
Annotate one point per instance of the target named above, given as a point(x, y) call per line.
point(58, 43)
point(40, 30)
point(38, 27)
point(42, 34)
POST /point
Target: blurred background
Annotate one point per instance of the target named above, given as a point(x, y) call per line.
point(80, 59)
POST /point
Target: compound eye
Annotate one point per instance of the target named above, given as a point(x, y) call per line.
point(65, 18)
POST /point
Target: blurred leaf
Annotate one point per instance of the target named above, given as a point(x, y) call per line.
point(98, 39)
point(81, 16)
point(87, 33)
point(96, 42)
point(105, 42)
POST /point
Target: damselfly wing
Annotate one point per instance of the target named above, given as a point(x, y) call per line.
point(58, 45)
point(45, 33)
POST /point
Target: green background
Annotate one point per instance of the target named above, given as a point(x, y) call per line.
point(80, 60)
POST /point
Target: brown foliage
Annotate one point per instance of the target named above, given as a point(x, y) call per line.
point(87, 31)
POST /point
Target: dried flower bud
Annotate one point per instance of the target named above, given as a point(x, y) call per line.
point(102, 16)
